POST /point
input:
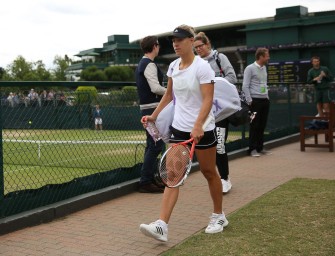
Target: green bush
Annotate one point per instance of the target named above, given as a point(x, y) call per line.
point(130, 94)
point(86, 94)
point(119, 73)
point(127, 96)
point(92, 73)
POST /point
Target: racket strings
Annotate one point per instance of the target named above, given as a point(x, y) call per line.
point(174, 165)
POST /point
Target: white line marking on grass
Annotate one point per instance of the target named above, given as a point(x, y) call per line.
point(66, 142)
point(76, 141)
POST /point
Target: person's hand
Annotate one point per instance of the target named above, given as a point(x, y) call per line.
point(197, 133)
point(322, 74)
point(146, 119)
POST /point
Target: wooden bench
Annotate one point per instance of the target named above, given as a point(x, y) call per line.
point(328, 132)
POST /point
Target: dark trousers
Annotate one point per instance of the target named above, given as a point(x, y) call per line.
point(257, 127)
point(221, 153)
point(152, 150)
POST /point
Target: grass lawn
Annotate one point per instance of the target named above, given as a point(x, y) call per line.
point(34, 158)
point(297, 218)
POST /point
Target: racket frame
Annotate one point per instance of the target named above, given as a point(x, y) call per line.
point(191, 153)
point(184, 143)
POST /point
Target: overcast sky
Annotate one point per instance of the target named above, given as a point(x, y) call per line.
point(42, 29)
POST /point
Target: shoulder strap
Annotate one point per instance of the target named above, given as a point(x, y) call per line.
point(218, 62)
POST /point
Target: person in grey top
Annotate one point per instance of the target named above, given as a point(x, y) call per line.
point(256, 92)
point(205, 51)
point(203, 48)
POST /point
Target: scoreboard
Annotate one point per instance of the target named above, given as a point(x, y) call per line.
point(288, 71)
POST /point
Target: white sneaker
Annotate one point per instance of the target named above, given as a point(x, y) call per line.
point(157, 230)
point(254, 153)
point(265, 152)
point(216, 224)
point(226, 185)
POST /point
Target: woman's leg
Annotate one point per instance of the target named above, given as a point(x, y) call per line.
point(206, 159)
point(169, 200)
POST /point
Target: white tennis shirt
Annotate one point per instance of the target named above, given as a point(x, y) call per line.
point(186, 89)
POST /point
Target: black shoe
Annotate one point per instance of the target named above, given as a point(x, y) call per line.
point(150, 188)
point(158, 183)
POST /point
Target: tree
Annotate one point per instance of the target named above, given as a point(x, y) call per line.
point(118, 73)
point(2, 73)
point(22, 70)
point(61, 64)
point(92, 73)
point(41, 73)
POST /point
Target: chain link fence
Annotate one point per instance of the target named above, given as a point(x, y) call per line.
point(51, 149)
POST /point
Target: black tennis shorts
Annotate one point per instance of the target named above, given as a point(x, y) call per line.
point(207, 141)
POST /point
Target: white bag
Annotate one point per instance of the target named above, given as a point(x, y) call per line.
point(164, 121)
point(226, 99)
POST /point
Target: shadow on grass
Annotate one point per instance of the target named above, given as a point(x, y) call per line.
point(297, 218)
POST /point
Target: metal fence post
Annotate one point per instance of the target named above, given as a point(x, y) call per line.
point(2, 180)
point(289, 106)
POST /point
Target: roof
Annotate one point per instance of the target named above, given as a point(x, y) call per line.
point(89, 52)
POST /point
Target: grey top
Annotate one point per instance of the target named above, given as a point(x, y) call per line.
point(228, 70)
point(255, 82)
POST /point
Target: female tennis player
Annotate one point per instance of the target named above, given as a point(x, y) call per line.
point(192, 81)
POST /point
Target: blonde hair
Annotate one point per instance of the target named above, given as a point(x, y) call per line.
point(201, 36)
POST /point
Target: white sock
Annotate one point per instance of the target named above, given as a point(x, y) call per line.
point(218, 214)
point(163, 223)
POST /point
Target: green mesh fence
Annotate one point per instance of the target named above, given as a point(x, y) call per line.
point(51, 150)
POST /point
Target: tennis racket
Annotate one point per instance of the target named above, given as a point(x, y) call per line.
point(176, 162)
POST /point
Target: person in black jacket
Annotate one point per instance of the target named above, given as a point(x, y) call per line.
point(149, 81)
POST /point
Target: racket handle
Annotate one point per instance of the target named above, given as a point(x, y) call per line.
point(206, 123)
